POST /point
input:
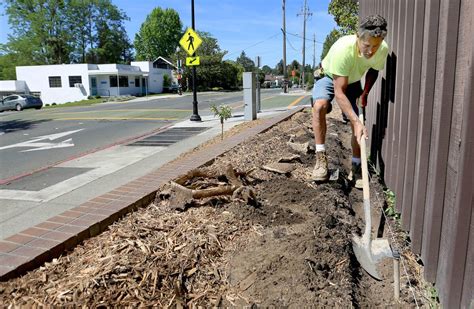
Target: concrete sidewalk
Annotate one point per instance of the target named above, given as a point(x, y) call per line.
point(116, 181)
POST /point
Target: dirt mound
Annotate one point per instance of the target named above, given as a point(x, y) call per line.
point(270, 238)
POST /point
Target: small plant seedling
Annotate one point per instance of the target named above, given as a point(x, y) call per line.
point(391, 211)
point(224, 112)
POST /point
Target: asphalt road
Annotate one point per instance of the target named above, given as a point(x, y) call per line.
point(34, 139)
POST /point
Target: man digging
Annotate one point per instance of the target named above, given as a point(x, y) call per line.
point(347, 61)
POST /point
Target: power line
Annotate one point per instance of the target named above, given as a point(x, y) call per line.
point(291, 45)
point(299, 36)
point(253, 45)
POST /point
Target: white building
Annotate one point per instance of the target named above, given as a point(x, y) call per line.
point(8, 87)
point(74, 82)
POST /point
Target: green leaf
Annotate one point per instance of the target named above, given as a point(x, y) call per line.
point(159, 35)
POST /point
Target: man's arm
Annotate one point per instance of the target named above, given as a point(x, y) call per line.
point(340, 85)
point(370, 78)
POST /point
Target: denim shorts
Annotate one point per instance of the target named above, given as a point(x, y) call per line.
point(324, 90)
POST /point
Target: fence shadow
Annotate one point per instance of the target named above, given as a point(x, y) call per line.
point(379, 127)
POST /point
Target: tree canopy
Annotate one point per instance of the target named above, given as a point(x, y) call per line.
point(346, 14)
point(159, 35)
point(245, 62)
point(266, 69)
point(63, 31)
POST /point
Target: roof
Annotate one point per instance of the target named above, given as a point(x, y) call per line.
point(161, 59)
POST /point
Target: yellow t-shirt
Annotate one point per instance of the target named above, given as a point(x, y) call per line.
point(343, 59)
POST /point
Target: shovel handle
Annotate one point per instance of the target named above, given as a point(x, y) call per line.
point(363, 159)
point(365, 181)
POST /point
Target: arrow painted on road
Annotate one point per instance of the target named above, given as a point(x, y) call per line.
point(38, 144)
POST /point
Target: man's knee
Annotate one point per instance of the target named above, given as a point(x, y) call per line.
point(322, 106)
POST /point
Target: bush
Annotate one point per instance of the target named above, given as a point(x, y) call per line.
point(166, 81)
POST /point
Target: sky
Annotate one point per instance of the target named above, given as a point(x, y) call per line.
point(253, 26)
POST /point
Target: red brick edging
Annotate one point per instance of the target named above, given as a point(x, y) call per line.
point(32, 247)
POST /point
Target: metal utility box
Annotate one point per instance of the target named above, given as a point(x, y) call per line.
point(250, 109)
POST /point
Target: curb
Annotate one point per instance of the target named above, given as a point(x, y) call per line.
point(36, 245)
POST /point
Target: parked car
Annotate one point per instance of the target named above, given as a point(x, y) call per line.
point(19, 102)
point(173, 88)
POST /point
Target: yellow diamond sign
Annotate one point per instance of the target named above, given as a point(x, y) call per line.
point(190, 41)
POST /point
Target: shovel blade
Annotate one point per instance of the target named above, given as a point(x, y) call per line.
point(369, 253)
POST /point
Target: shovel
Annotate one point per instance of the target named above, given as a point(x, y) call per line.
point(367, 251)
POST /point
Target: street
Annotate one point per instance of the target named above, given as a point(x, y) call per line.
point(34, 139)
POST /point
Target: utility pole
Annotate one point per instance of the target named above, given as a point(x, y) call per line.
point(305, 14)
point(314, 51)
point(285, 74)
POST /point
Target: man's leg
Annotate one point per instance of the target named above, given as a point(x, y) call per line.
point(319, 120)
point(320, 108)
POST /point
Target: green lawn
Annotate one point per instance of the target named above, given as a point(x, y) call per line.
point(96, 101)
point(78, 103)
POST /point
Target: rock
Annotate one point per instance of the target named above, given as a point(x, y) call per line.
point(334, 175)
point(280, 168)
point(303, 148)
point(290, 159)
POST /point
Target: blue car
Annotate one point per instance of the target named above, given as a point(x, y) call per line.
point(19, 102)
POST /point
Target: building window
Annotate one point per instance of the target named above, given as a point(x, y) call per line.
point(137, 81)
point(123, 81)
point(113, 81)
point(75, 80)
point(54, 81)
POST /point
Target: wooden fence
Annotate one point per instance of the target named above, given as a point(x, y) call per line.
point(421, 126)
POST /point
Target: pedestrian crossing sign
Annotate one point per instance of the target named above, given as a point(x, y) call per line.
point(190, 41)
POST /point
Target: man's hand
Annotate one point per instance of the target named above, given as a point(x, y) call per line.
point(359, 131)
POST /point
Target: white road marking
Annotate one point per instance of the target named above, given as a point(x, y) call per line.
point(63, 144)
point(37, 145)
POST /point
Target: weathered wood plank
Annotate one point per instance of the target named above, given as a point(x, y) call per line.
point(414, 105)
point(428, 73)
point(404, 102)
point(441, 123)
point(460, 172)
point(390, 138)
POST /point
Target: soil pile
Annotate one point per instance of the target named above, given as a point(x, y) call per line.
point(250, 228)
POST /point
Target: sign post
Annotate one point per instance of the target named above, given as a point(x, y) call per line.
point(190, 42)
